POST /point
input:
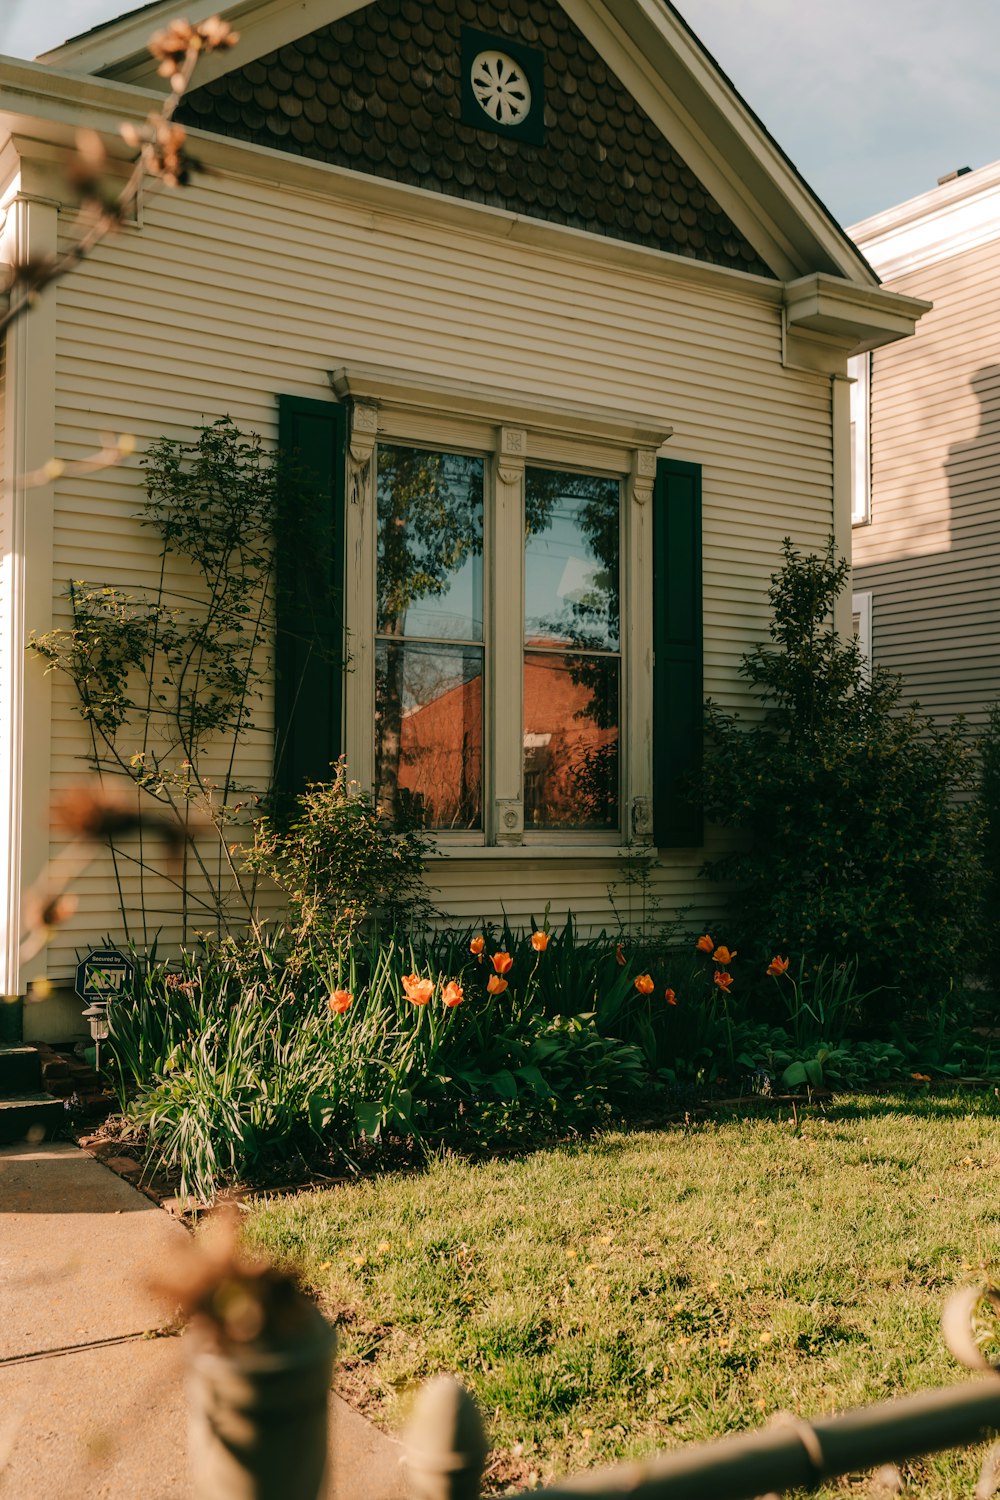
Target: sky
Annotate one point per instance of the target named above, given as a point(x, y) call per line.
point(873, 100)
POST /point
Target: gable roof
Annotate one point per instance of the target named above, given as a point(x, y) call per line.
point(649, 48)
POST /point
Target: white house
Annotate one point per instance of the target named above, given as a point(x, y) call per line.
point(927, 515)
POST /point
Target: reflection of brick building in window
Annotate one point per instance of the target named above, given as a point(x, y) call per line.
point(570, 748)
point(441, 758)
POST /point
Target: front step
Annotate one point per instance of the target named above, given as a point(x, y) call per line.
point(20, 1070)
point(31, 1117)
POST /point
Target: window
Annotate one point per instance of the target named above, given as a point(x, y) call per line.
point(429, 643)
point(861, 621)
point(859, 369)
point(497, 602)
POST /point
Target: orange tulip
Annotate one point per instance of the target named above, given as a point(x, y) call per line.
point(722, 955)
point(340, 1001)
point(452, 994)
point(704, 944)
point(416, 989)
point(723, 980)
point(503, 963)
point(476, 946)
point(644, 984)
point(777, 966)
point(670, 997)
point(539, 941)
point(496, 985)
point(619, 955)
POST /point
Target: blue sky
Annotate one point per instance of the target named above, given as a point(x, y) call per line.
point(873, 100)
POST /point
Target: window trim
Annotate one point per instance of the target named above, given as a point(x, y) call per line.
point(512, 431)
point(859, 372)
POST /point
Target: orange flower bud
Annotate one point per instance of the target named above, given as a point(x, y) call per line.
point(644, 984)
point(340, 1001)
point(539, 941)
point(496, 985)
point(416, 989)
point(670, 997)
point(619, 955)
point(476, 946)
point(503, 963)
point(704, 944)
point(722, 955)
point(452, 994)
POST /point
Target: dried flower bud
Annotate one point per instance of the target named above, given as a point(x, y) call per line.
point(217, 34)
point(59, 910)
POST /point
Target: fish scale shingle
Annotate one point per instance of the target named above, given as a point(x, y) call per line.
point(379, 91)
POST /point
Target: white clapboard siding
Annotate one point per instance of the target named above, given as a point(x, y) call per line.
point(932, 551)
point(233, 292)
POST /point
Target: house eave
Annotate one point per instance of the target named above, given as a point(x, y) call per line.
point(860, 317)
point(954, 217)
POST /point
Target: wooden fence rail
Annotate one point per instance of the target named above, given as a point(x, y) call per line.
point(259, 1427)
point(446, 1448)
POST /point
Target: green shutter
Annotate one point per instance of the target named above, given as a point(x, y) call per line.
point(309, 648)
point(677, 660)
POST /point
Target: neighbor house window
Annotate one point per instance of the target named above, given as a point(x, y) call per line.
point(493, 695)
point(861, 620)
point(859, 370)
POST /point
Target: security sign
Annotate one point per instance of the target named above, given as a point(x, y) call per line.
point(104, 974)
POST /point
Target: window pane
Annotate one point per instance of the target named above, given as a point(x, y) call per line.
point(429, 733)
point(571, 560)
point(430, 544)
point(570, 741)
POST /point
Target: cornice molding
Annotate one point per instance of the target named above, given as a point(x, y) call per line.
point(388, 386)
point(958, 216)
point(858, 317)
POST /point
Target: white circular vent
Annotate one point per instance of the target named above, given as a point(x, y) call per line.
point(501, 88)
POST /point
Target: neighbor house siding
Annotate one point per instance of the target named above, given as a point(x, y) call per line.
point(931, 554)
point(234, 292)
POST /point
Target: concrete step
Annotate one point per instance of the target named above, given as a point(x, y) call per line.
point(30, 1117)
point(20, 1070)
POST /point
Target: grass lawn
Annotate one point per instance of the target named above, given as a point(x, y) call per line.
point(642, 1290)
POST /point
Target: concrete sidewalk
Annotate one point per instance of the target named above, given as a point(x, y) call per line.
point(91, 1377)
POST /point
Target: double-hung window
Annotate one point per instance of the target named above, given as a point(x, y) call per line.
point(498, 588)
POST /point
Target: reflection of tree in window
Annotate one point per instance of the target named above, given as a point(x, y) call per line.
point(572, 657)
point(429, 614)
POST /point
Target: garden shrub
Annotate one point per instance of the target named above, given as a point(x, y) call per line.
point(340, 864)
point(989, 809)
point(856, 843)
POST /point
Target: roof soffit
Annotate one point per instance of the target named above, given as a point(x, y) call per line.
point(654, 54)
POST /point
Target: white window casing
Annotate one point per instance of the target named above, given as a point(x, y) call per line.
point(859, 370)
point(511, 432)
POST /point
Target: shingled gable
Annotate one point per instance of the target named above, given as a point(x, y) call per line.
point(679, 114)
point(380, 91)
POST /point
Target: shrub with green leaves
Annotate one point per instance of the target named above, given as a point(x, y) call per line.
point(340, 863)
point(855, 841)
point(989, 808)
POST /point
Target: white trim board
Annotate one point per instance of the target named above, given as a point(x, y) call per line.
point(958, 216)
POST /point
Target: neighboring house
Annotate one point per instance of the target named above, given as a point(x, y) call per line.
point(597, 308)
point(927, 495)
